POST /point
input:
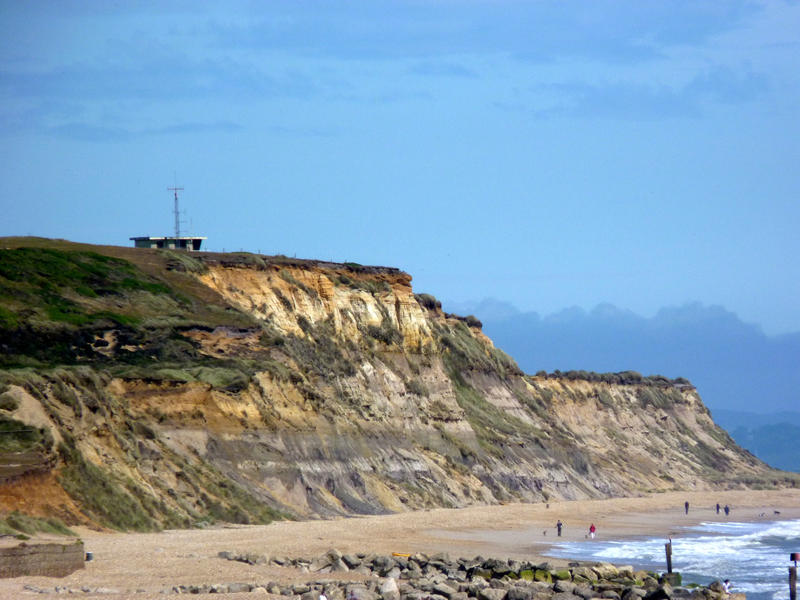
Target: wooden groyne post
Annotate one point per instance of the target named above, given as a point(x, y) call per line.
point(795, 556)
point(668, 549)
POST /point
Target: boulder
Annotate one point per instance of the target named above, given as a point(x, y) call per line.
point(383, 563)
point(662, 592)
point(389, 589)
point(633, 593)
point(468, 564)
point(561, 574)
point(650, 584)
point(444, 590)
point(480, 571)
point(563, 585)
point(584, 572)
point(564, 596)
point(334, 592)
point(489, 593)
point(419, 558)
point(542, 576)
point(459, 576)
point(320, 565)
point(674, 579)
point(605, 570)
point(585, 592)
point(351, 560)
point(499, 568)
point(476, 585)
point(360, 592)
point(339, 566)
point(716, 586)
point(333, 554)
point(519, 593)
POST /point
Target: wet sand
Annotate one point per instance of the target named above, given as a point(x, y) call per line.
point(149, 563)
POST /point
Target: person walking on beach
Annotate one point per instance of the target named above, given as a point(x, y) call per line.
point(686, 507)
point(727, 510)
point(717, 507)
point(559, 525)
point(592, 529)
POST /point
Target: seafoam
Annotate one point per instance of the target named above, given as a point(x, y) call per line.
point(754, 556)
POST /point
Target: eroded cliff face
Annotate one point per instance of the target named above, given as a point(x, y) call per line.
point(316, 389)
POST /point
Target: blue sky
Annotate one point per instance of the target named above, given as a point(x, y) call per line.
point(547, 153)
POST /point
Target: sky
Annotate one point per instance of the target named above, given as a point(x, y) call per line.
point(550, 154)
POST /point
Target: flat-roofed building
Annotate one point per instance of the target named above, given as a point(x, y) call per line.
point(191, 243)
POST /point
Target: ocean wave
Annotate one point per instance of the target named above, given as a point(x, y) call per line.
point(752, 555)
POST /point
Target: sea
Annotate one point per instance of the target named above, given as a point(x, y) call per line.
point(753, 556)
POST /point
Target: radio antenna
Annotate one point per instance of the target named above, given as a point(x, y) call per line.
point(177, 213)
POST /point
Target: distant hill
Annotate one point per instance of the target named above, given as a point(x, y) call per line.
point(773, 438)
point(735, 366)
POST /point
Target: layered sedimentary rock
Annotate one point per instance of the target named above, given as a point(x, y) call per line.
point(180, 389)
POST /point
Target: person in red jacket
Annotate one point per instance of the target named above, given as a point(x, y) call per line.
point(592, 529)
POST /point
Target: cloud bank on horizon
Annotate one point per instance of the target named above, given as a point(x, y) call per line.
point(549, 153)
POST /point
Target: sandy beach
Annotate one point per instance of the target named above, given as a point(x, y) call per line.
point(141, 565)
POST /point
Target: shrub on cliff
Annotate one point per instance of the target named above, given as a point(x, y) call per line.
point(428, 301)
point(473, 321)
point(386, 332)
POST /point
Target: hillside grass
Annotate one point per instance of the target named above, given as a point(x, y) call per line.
point(55, 305)
point(24, 526)
point(16, 436)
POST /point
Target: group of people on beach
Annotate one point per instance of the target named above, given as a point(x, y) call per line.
point(593, 529)
point(727, 508)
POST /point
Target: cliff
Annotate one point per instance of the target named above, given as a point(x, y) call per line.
point(145, 388)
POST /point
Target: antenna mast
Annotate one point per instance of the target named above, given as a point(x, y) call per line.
point(177, 214)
